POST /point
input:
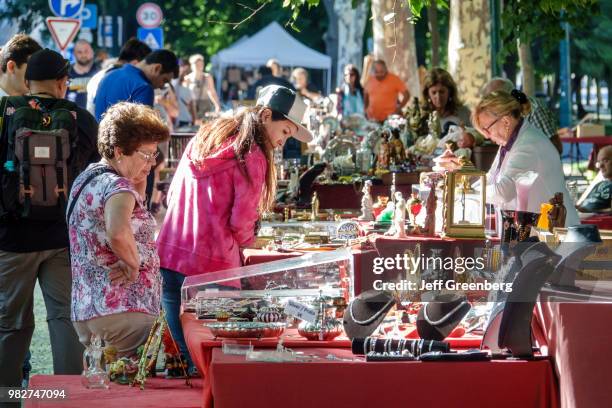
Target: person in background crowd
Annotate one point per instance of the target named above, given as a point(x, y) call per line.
point(225, 179)
point(135, 83)
point(500, 117)
point(385, 93)
point(540, 116)
point(132, 52)
point(32, 250)
point(81, 72)
point(350, 96)
point(277, 72)
point(13, 63)
point(440, 95)
point(266, 78)
point(184, 96)
point(101, 57)
point(598, 197)
point(275, 66)
point(300, 79)
point(116, 284)
point(202, 85)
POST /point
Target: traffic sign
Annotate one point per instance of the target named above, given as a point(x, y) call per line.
point(153, 37)
point(89, 16)
point(63, 30)
point(149, 15)
point(66, 8)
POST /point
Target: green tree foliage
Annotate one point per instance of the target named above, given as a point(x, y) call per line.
point(207, 26)
point(541, 21)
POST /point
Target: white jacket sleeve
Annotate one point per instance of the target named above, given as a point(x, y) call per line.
point(519, 160)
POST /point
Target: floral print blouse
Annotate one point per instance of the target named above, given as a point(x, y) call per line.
point(93, 295)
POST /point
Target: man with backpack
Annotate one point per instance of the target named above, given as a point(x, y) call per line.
point(45, 142)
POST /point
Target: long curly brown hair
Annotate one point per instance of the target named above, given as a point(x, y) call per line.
point(440, 76)
point(247, 128)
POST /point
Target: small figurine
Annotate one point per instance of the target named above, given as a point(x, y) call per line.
point(366, 202)
point(314, 207)
point(398, 153)
point(398, 228)
point(433, 124)
point(414, 208)
point(431, 204)
point(393, 188)
point(556, 216)
point(384, 152)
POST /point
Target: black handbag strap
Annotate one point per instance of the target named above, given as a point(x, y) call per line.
point(94, 173)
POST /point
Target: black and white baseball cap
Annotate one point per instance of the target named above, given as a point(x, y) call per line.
point(285, 101)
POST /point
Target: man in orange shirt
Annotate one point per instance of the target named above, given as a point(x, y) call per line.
point(382, 93)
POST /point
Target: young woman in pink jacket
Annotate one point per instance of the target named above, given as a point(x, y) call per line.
point(224, 180)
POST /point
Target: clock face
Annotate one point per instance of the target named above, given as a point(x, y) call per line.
point(348, 230)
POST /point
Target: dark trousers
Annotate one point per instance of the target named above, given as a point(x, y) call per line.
point(171, 302)
point(18, 275)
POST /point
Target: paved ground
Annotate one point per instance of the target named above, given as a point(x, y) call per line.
point(42, 363)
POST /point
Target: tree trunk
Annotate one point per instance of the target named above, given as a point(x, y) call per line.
point(527, 69)
point(351, 25)
point(331, 38)
point(394, 41)
point(598, 88)
point(511, 66)
point(469, 47)
point(577, 89)
point(432, 16)
point(588, 91)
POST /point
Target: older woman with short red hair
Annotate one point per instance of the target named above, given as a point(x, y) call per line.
point(116, 285)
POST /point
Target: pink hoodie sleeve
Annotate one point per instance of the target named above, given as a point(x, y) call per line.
point(246, 198)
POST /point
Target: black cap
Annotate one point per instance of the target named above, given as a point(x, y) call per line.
point(288, 103)
point(46, 64)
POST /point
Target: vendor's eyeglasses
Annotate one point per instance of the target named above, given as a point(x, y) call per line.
point(486, 129)
point(149, 156)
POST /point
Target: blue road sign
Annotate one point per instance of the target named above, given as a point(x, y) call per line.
point(153, 37)
point(89, 16)
point(66, 8)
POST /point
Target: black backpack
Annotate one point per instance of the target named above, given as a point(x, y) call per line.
point(37, 144)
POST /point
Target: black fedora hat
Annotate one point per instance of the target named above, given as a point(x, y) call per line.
point(366, 312)
point(437, 319)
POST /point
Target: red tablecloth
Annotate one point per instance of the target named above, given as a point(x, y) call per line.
point(201, 344)
point(238, 383)
point(158, 392)
point(579, 341)
point(253, 256)
point(345, 195)
point(597, 140)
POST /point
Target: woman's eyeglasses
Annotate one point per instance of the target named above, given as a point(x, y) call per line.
point(486, 129)
point(148, 156)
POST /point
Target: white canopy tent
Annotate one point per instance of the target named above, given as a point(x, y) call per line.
point(271, 42)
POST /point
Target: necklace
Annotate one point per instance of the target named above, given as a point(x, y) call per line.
point(371, 319)
point(443, 318)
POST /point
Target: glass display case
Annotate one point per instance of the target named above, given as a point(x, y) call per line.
point(464, 203)
point(237, 292)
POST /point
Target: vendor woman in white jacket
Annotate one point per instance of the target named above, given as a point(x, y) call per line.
point(500, 117)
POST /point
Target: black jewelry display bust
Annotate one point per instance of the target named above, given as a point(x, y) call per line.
point(437, 319)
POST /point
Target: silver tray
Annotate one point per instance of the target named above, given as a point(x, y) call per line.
point(246, 330)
